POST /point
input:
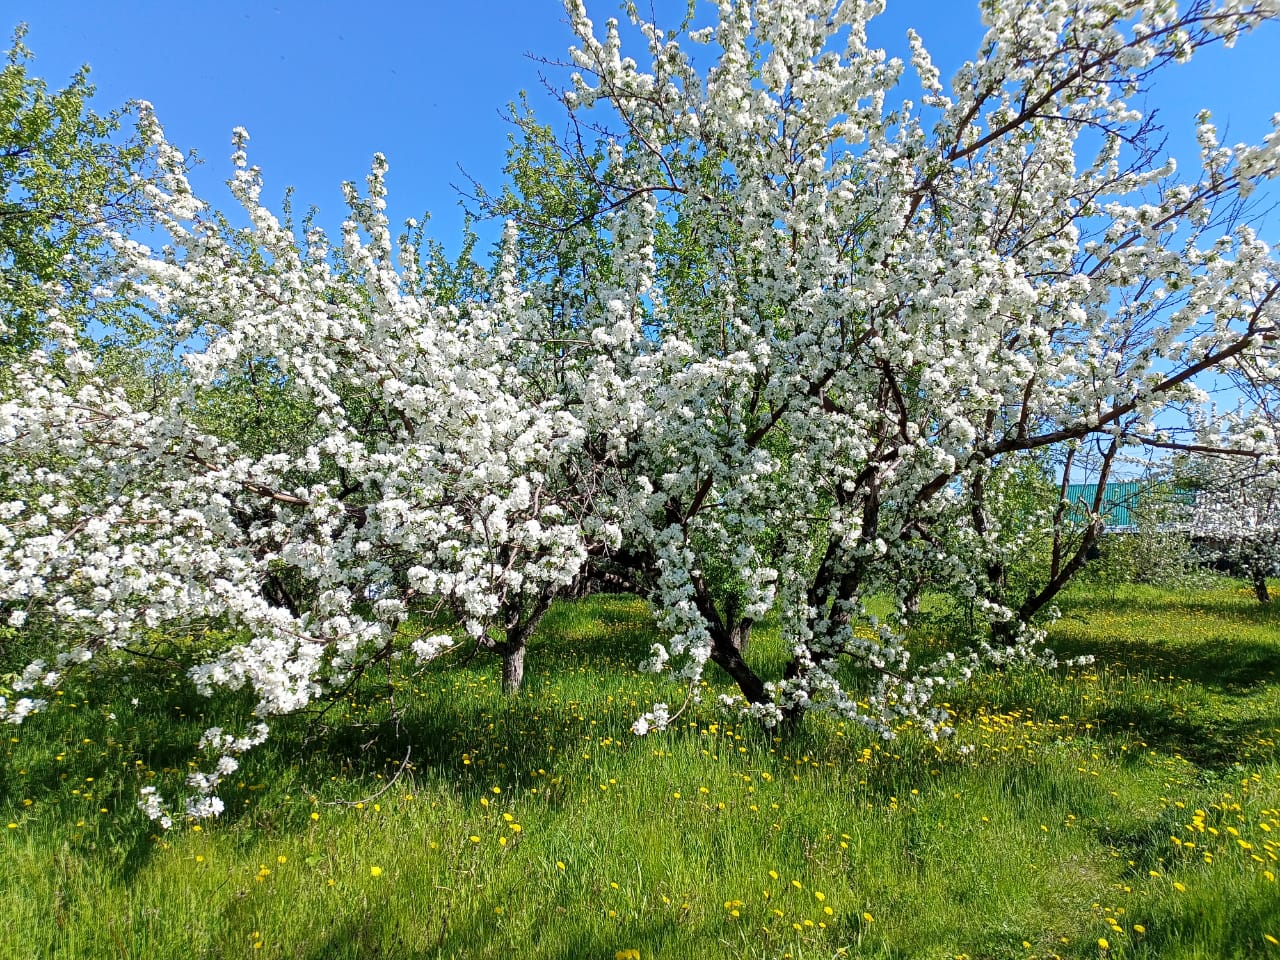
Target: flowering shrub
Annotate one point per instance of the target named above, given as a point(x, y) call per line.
point(424, 476)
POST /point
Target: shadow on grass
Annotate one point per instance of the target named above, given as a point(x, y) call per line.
point(461, 734)
point(1238, 932)
point(453, 722)
point(1212, 605)
point(1210, 742)
point(1226, 665)
point(586, 649)
point(377, 934)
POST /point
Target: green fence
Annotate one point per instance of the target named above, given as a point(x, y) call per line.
point(1120, 500)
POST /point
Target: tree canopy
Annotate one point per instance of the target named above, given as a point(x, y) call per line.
point(66, 175)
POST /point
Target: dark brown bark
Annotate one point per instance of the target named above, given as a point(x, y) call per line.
point(995, 568)
point(911, 601)
point(725, 652)
point(278, 595)
point(1260, 588)
point(726, 656)
point(737, 625)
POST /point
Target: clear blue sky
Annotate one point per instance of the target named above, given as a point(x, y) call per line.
point(323, 85)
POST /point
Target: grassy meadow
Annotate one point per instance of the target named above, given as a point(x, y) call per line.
point(1126, 809)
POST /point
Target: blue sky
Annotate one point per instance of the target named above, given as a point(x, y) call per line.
point(322, 85)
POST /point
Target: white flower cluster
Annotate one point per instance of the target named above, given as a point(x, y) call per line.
point(344, 446)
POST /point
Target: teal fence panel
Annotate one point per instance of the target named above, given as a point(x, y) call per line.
point(1119, 501)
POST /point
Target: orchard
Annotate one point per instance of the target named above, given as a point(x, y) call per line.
point(794, 341)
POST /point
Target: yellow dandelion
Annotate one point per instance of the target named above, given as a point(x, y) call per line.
point(1102, 944)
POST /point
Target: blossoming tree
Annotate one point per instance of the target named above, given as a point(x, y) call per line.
point(1235, 473)
point(64, 172)
point(417, 471)
point(898, 295)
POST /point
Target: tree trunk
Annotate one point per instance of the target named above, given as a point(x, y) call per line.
point(1063, 567)
point(740, 634)
point(1260, 588)
point(513, 668)
point(1062, 574)
point(726, 656)
point(519, 622)
point(911, 602)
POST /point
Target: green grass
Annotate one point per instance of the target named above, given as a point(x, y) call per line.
point(1141, 792)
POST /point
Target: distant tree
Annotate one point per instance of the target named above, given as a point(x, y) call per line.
point(1235, 474)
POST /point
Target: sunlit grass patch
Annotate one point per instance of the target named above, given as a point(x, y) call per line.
point(1134, 801)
